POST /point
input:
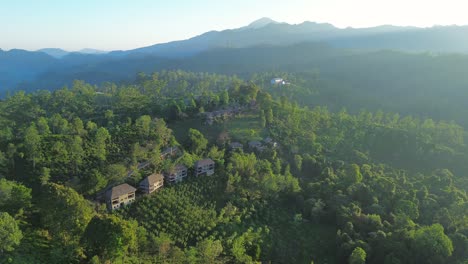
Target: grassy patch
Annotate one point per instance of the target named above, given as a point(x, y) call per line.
point(242, 128)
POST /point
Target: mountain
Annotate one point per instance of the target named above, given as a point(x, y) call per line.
point(92, 51)
point(17, 66)
point(261, 23)
point(54, 52)
point(265, 32)
point(268, 31)
point(60, 53)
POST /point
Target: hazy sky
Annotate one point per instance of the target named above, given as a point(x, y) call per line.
point(127, 24)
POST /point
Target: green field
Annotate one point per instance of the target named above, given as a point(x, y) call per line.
point(242, 128)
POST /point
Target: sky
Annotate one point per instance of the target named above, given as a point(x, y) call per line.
point(129, 24)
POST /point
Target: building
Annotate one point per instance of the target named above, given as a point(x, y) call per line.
point(152, 183)
point(176, 174)
point(277, 81)
point(209, 119)
point(170, 152)
point(236, 145)
point(269, 141)
point(205, 166)
point(256, 145)
point(119, 196)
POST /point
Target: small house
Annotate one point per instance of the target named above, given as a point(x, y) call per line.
point(152, 183)
point(236, 145)
point(170, 152)
point(205, 166)
point(270, 142)
point(256, 145)
point(119, 196)
point(176, 174)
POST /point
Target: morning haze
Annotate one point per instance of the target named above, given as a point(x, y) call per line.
point(121, 25)
point(242, 132)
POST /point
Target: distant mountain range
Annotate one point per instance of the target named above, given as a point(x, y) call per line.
point(60, 53)
point(52, 68)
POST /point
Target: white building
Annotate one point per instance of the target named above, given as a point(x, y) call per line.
point(177, 174)
point(277, 81)
point(205, 166)
point(152, 183)
point(119, 196)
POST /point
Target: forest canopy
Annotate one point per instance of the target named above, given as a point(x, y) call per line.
point(309, 183)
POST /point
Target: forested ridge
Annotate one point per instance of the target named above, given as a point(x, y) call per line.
point(339, 187)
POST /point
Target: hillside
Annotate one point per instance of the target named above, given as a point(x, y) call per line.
point(302, 185)
point(424, 85)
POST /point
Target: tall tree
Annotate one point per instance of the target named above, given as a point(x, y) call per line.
point(10, 234)
point(196, 141)
point(32, 144)
point(431, 245)
point(110, 237)
point(358, 256)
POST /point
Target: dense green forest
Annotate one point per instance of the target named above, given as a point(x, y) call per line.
point(364, 186)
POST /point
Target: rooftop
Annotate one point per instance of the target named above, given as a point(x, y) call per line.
point(119, 190)
point(152, 179)
point(255, 143)
point(236, 145)
point(204, 162)
point(177, 168)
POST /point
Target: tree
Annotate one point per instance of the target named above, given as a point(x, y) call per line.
point(77, 152)
point(408, 208)
point(78, 127)
point(116, 173)
point(65, 214)
point(14, 197)
point(59, 124)
point(64, 211)
point(353, 174)
point(143, 125)
point(358, 256)
point(262, 119)
point(196, 141)
point(43, 126)
point(298, 162)
point(10, 234)
point(110, 237)
point(209, 251)
point(431, 245)
point(269, 116)
point(59, 153)
point(94, 181)
point(32, 144)
point(99, 147)
point(225, 98)
point(216, 154)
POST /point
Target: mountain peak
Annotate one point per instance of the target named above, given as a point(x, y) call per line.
point(54, 52)
point(261, 22)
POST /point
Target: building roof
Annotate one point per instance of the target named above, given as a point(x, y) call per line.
point(255, 143)
point(236, 145)
point(152, 179)
point(170, 151)
point(204, 162)
point(177, 168)
point(119, 190)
